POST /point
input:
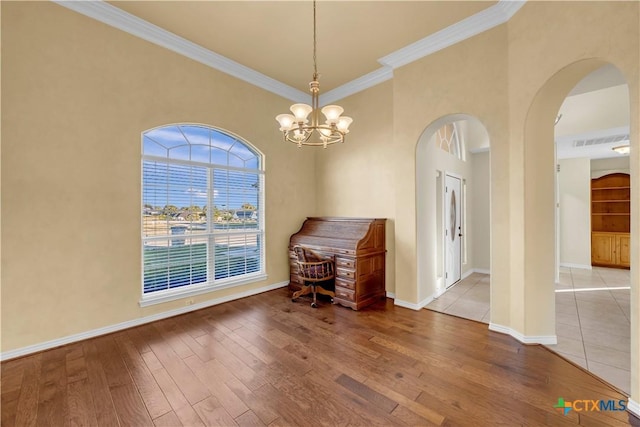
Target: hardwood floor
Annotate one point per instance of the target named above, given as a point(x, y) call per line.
point(264, 360)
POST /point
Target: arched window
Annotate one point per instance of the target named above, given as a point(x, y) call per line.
point(202, 211)
point(447, 138)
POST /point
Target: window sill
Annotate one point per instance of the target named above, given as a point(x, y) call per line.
point(176, 294)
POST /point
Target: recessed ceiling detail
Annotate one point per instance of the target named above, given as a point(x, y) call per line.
point(479, 17)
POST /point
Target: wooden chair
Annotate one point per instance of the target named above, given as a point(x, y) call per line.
point(313, 270)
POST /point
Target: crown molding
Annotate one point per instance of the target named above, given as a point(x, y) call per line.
point(102, 11)
point(482, 21)
point(115, 17)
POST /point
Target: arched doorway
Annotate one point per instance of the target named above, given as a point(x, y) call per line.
point(593, 292)
point(539, 207)
point(453, 214)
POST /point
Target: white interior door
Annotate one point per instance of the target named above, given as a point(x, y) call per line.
point(453, 229)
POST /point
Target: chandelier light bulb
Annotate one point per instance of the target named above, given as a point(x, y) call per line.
point(324, 133)
point(343, 124)
point(286, 121)
point(301, 111)
point(332, 113)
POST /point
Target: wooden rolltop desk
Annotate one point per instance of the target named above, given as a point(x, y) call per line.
point(357, 246)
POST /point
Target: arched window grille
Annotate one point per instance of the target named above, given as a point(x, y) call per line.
point(447, 138)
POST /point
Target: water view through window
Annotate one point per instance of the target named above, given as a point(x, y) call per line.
point(201, 208)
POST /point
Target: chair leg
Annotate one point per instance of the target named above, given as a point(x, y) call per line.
point(306, 289)
point(324, 291)
point(315, 289)
point(313, 304)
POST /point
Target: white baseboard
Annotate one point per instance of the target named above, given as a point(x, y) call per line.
point(11, 354)
point(633, 407)
point(467, 274)
point(474, 270)
point(440, 281)
point(413, 306)
point(525, 339)
point(571, 265)
point(391, 295)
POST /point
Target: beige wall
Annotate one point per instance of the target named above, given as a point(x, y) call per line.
point(574, 191)
point(76, 96)
point(457, 80)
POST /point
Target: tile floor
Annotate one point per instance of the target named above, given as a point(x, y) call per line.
point(593, 325)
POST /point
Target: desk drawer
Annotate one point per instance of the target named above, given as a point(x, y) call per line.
point(343, 293)
point(349, 274)
point(346, 263)
point(345, 283)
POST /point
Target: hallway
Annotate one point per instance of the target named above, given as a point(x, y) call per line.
point(592, 317)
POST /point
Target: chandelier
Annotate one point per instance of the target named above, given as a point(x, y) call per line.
point(296, 127)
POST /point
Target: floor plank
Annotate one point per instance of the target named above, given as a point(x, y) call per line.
point(52, 395)
point(26, 409)
point(149, 390)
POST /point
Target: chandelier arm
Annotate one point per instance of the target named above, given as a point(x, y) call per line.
point(302, 134)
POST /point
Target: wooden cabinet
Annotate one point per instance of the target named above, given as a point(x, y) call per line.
point(610, 249)
point(610, 220)
point(623, 250)
point(357, 246)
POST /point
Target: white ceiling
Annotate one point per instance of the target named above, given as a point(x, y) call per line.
point(595, 116)
point(598, 144)
point(602, 78)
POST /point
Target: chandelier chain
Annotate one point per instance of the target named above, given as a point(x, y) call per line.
point(315, 66)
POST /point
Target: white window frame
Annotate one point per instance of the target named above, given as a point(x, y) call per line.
point(211, 234)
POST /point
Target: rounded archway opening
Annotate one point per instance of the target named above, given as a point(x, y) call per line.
point(453, 210)
point(544, 173)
